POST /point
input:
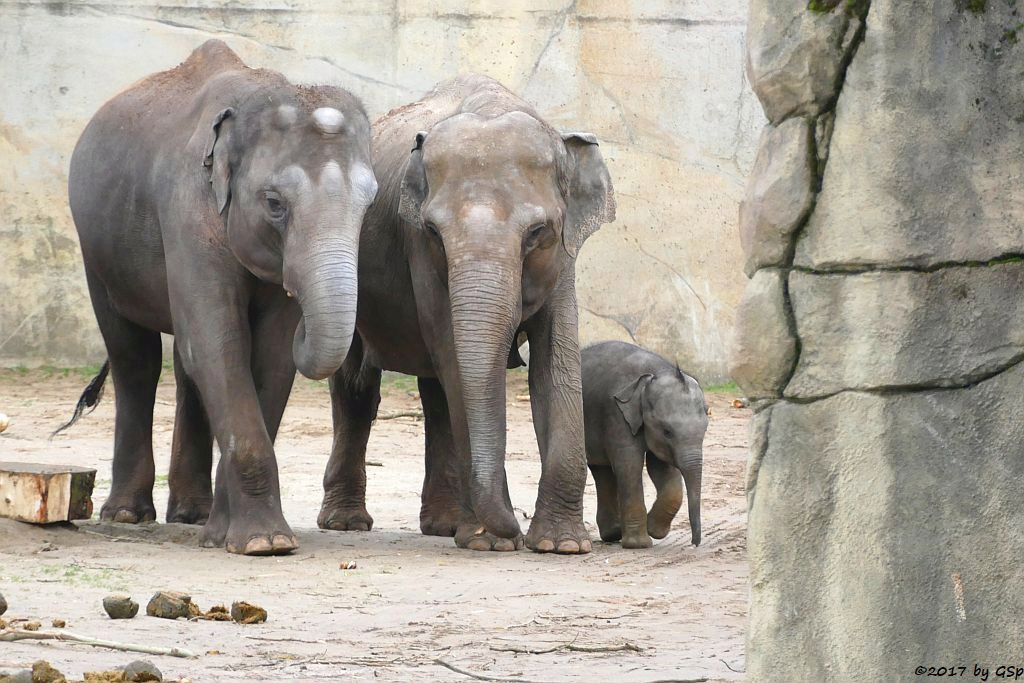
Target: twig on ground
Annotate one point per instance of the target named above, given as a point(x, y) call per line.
point(507, 679)
point(738, 671)
point(11, 636)
point(418, 414)
point(625, 646)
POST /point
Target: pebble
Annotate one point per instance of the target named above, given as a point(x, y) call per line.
point(141, 670)
point(169, 605)
point(244, 613)
point(120, 606)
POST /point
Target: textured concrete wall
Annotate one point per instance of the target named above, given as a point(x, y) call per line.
point(660, 82)
point(882, 334)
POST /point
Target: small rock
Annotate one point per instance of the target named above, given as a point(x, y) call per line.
point(103, 676)
point(348, 564)
point(217, 613)
point(3, 624)
point(59, 623)
point(3, 604)
point(32, 626)
point(169, 605)
point(141, 670)
point(120, 606)
point(42, 672)
point(244, 613)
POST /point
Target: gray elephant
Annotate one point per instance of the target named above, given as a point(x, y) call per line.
point(221, 204)
point(470, 247)
point(638, 406)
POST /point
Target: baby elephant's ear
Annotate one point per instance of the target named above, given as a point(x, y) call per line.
point(629, 399)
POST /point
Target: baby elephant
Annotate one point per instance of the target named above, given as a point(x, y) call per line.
point(637, 406)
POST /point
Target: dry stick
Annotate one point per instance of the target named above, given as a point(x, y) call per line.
point(11, 636)
point(503, 679)
point(418, 414)
point(572, 647)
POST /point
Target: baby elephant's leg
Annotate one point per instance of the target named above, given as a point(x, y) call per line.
point(669, 482)
point(607, 503)
point(632, 511)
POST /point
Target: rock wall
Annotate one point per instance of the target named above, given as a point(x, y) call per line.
point(660, 82)
point(881, 337)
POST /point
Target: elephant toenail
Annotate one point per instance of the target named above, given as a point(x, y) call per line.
point(505, 545)
point(258, 546)
point(586, 546)
point(545, 546)
point(479, 543)
point(568, 547)
point(282, 542)
point(125, 517)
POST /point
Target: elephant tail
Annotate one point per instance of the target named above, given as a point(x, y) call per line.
point(90, 398)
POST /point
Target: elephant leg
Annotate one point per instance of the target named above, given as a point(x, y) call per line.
point(273, 366)
point(189, 479)
point(668, 480)
point(440, 511)
point(557, 404)
point(135, 356)
point(355, 395)
point(629, 480)
point(608, 522)
point(219, 354)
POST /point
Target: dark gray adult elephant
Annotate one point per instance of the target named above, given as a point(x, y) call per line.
point(471, 243)
point(206, 197)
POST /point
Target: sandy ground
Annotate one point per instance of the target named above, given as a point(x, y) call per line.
point(412, 600)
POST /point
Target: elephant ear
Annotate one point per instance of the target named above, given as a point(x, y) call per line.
point(414, 184)
point(216, 159)
point(590, 200)
point(630, 399)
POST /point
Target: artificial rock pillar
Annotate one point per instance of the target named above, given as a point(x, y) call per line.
point(881, 338)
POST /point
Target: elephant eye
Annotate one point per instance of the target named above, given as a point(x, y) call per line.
point(668, 433)
point(536, 231)
point(431, 228)
point(275, 206)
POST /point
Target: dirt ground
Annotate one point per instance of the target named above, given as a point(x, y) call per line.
point(411, 602)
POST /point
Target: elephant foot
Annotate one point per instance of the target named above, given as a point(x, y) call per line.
point(129, 509)
point(657, 528)
point(610, 534)
point(338, 518)
point(189, 510)
point(252, 531)
point(473, 537)
point(563, 535)
point(637, 540)
point(439, 522)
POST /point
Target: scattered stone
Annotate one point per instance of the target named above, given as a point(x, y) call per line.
point(245, 613)
point(3, 624)
point(3, 604)
point(141, 670)
point(42, 672)
point(104, 677)
point(217, 613)
point(348, 564)
point(169, 605)
point(59, 623)
point(32, 626)
point(120, 606)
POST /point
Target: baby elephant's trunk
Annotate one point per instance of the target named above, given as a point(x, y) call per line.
point(691, 464)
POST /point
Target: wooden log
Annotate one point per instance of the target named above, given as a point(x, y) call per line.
point(41, 494)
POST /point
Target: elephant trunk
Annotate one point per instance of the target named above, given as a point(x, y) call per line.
point(324, 279)
point(691, 465)
point(485, 307)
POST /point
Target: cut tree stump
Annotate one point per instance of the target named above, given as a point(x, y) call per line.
point(41, 494)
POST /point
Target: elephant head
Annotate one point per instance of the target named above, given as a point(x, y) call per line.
point(502, 204)
point(672, 412)
point(291, 175)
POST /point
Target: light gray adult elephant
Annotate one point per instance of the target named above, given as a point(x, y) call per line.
point(205, 198)
point(471, 243)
